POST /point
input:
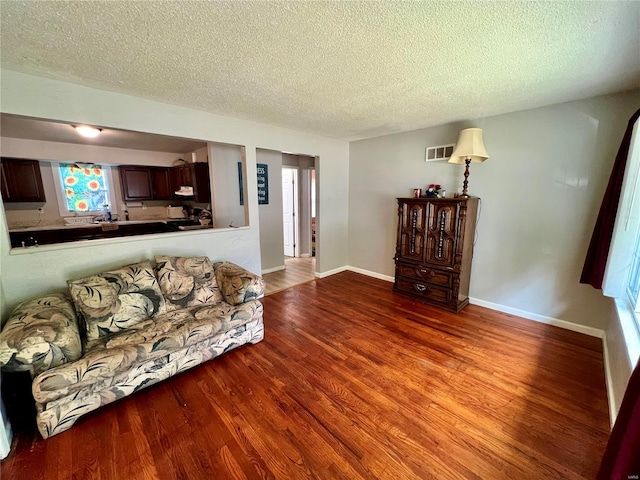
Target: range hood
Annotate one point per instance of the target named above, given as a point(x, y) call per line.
point(185, 191)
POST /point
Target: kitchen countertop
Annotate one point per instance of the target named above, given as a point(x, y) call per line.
point(38, 235)
point(37, 228)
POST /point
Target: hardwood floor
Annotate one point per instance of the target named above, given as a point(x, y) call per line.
point(351, 382)
point(297, 271)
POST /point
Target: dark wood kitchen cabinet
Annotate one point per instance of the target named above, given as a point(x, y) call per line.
point(4, 183)
point(162, 184)
point(21, 180)
point(184, 174)
point(434, 250)
point(136, 183)
point(194, 175)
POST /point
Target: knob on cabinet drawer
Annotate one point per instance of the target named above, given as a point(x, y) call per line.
point(425, 272)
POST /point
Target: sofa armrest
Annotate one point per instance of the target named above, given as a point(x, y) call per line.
point(40, 334)
point(236, 284)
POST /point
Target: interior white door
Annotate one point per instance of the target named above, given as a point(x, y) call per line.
point(288, 218)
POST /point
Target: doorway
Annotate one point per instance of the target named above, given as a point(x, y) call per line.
point(288, 217)
point(290, 211)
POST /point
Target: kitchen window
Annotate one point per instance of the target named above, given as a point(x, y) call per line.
point(82, 189)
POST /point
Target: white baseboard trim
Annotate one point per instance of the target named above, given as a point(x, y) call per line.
point(274, 269)
point(349, 268)
point(328, 273)
point(611, 396)
point(369, 273)
point(305, 255)
point(593, 332)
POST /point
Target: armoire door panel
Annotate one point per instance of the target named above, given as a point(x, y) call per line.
point(413, 231)
point(441, 234)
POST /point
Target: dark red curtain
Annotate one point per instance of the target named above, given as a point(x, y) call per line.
point(596, 261)
point(621, 459)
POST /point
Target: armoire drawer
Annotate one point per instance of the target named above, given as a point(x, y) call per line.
point(426, 274)
point(422, 289)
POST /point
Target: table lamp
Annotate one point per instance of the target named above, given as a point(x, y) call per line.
point(469, 148)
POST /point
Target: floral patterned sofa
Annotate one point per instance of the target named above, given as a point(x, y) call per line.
point(122, 330)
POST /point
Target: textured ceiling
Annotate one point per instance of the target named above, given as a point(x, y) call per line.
point(342, 69)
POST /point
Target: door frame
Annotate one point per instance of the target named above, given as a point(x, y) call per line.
point(296, 207)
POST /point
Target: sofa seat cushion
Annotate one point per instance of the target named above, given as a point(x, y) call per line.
point(60, 415)
point(187, 281)
point(142, 343)
point(40, 334)
point(113, 301)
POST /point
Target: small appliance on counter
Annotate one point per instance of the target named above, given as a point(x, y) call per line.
point(205, 217)
point(176, 212)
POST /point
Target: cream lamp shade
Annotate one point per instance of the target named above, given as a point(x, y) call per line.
point(469, 149)
point(469, 145)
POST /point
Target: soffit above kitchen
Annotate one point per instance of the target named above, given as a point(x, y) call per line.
point(348, 70)
point(16, 126)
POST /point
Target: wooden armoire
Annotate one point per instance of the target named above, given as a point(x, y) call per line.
point(434, 250)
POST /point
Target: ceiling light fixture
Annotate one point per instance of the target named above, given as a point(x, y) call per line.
point(87, 131)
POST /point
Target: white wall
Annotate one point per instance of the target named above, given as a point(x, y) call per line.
point(541, 189)
point(42, 270)
point(619, 365)
point(201, 155)
point(271, 224)
point(226, 187)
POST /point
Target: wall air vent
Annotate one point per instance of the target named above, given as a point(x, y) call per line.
point(439, 153)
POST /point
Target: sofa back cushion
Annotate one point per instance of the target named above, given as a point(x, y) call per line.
point(187, 281)
point(113, 301)
point(237, 284)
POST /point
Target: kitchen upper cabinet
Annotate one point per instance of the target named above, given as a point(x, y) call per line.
point(136, 182)
point(21, 180)
point(201, 182)
point(162, 183)
point(3, 182)
point(194, 175)
point(185, 174)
